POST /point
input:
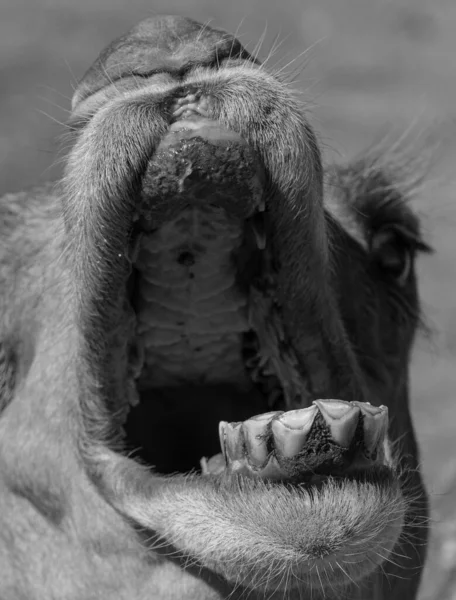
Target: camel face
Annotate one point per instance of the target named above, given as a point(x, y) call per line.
point(201, 293)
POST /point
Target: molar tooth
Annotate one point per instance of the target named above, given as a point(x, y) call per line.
point(212, 466)
point(266, 417)
point(368, 408)
point(300, 418)
point(232, 440)
point(271, 471)
point(291, 430)
point(255, 433)
point(375, 426)
point(342, 419)
point(203, 465)
point(222, 436)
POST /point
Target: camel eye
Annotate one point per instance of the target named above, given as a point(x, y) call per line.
point(392, 255)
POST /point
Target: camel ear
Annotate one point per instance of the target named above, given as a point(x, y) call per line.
point(160, 44)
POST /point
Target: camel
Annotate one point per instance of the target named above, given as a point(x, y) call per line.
point(205, 337)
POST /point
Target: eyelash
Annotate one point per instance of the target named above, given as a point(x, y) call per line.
point(386, 246)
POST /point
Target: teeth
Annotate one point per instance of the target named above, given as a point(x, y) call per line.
point(291, 430)
point(212, 466)
point(255, 433)
point(299, 419)
point(231, 440)
point(262, 206)
point(375, 425)
point(245, 445)
point(342, 419)
point(221, 429)
point(271, 471)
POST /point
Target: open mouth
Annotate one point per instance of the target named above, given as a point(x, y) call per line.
point(217, 333)
point(211, 359)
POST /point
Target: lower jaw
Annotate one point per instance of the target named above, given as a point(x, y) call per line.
point(315, 498)
point(328, 540)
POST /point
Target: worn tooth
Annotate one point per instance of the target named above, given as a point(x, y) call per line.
point(222, 437)
point(204, 466)
point(300, 418)
point(255, 433)
point(288, 442)
point(266, 417)
point(342, 419)
point(291, 430)
point(262, 205)
point(212, 466)
point(368, 408)
point(232, 434)
point(271, 471)
point(375, 425)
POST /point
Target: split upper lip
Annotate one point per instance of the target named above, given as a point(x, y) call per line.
point(188, 106)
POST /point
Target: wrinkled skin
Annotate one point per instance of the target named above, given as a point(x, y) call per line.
point(79, 518)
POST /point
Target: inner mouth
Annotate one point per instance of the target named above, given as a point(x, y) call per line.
point(209, 343)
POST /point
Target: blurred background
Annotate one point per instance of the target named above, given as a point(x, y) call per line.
point(366, 66)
